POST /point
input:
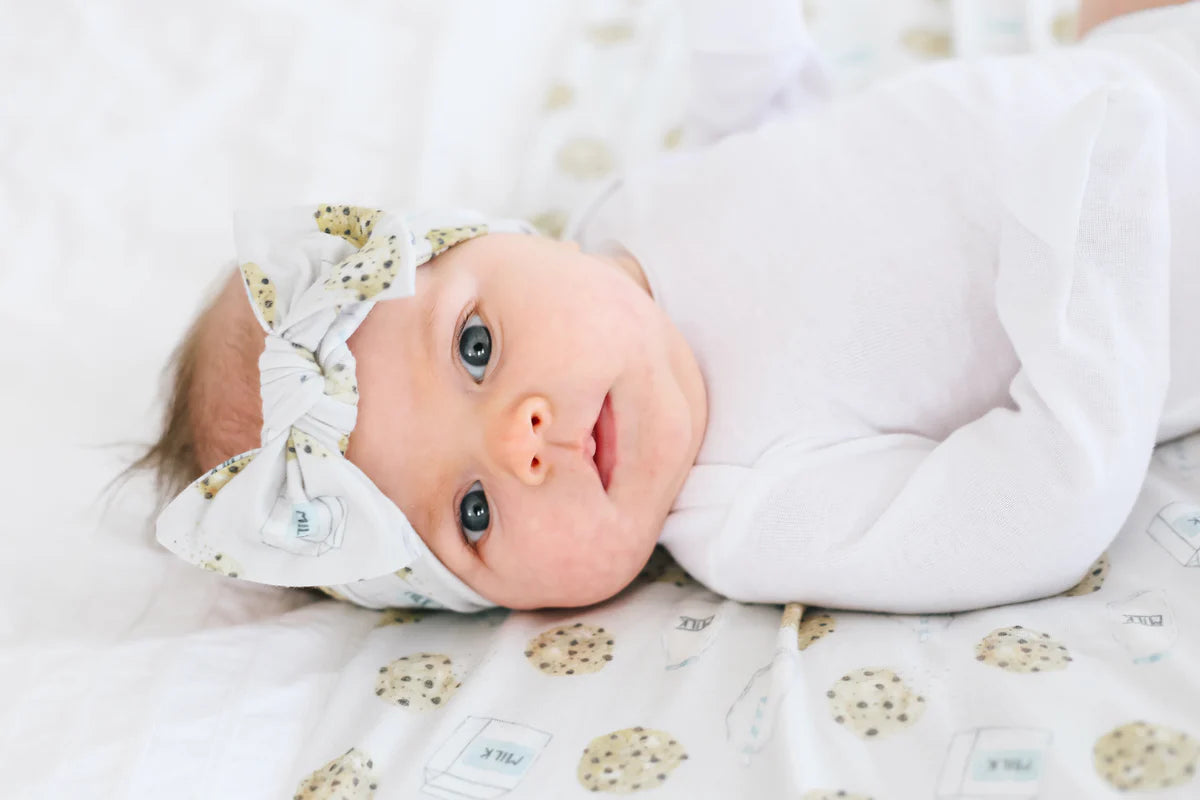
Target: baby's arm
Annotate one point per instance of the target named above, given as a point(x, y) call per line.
point(749, 62)
point(1016, 504)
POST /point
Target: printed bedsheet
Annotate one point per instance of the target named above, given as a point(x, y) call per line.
point(672, 690)
point(667, 690)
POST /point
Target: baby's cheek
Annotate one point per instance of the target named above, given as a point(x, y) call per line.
point(599, 560)
point(566, 561)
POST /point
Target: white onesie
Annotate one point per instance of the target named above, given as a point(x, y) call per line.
point(942, 322)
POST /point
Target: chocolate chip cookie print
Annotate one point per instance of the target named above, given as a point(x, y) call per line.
point(873, 702)
point(629, 760)
point(1143, 756)
point(1092, 580)
point(1018, 649)
point(575, 649)
point(350, 776)
point(420, 682)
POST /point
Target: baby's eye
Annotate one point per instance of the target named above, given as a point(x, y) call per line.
point(475, 346)
point(473, 513)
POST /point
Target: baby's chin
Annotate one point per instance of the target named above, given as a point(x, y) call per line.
point(575, 597)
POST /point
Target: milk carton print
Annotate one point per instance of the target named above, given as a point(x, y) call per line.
point(994, 762)
point(1144, 624)
point(484, 758)
point(691, 630)
point(1177, 530)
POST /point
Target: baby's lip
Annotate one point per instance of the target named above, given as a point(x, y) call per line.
point(603, 442)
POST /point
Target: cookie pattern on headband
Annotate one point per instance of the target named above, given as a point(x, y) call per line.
point(299, 441)
point(223, 564)
point(216, 478)
point(442, 239)
point(341, 384)
point(352, 223)
point(373, 268)
point(262, 291)
point(369, 271)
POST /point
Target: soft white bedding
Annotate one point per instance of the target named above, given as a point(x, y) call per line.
point(130, 131)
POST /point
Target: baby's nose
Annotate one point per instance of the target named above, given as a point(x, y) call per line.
point(517, 440)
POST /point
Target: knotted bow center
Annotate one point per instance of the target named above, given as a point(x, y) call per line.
point(295, 386)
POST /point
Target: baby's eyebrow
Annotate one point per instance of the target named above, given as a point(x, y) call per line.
point(443, 490)
point(428, 515)
point(429, 326)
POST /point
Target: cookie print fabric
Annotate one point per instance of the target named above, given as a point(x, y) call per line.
point(295, 511)
point(667, 692)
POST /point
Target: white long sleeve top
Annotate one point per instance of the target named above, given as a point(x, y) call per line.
point(942, 323)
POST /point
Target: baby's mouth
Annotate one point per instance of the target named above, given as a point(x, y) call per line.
point(604, 440)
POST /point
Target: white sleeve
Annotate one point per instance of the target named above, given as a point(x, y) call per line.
point(749, 62)
point(1016, 504)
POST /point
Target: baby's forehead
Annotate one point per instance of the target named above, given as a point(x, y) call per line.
point(397, 375)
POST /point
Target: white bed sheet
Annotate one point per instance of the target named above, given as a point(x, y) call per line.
point(129, 132)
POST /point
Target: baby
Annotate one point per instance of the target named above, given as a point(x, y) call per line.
point(909, 351)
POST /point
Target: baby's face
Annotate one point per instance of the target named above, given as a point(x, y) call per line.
point(478, 398)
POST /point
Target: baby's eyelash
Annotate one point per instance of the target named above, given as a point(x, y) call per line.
point(460, 326)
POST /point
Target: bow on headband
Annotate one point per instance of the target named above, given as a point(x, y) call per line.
point(295, 511)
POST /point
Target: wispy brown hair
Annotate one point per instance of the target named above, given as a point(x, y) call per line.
point(211, 391)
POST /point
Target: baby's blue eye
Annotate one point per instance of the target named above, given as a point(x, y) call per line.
point(475, 346)
point(473, 513)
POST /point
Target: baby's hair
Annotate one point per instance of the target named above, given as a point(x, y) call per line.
point(203, 422)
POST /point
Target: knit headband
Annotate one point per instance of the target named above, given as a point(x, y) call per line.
point(295, 511)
